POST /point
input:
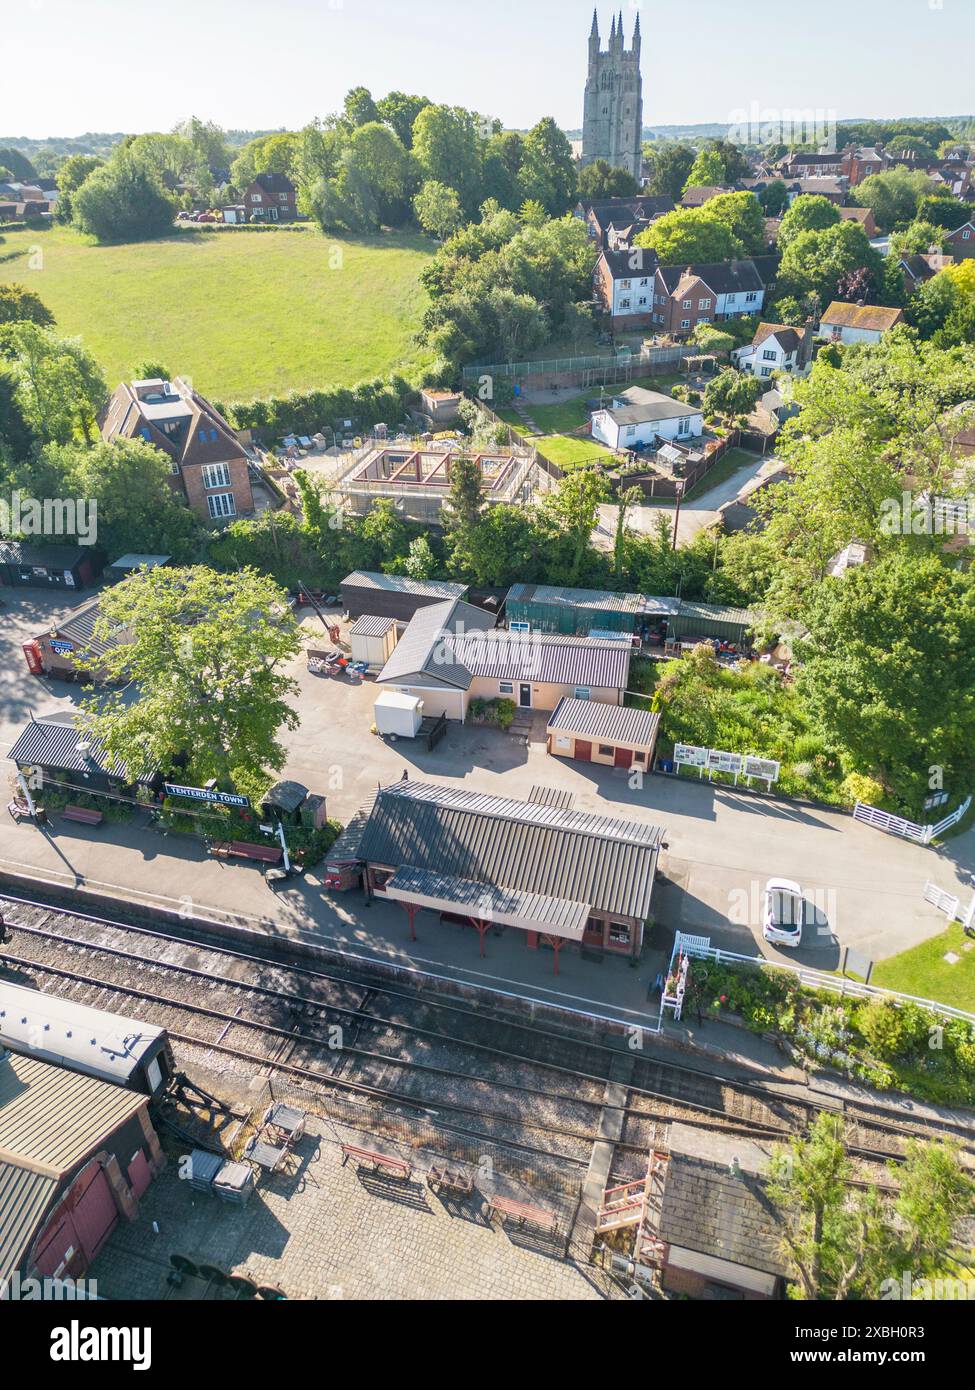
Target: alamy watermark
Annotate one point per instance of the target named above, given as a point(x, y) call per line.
point(21, 515)
point(922, 515)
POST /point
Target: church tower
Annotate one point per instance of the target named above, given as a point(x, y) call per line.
point(612, 125)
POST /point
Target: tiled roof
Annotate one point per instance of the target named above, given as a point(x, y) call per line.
point(867, 316)
point(721, 277)
point(707, 1210)
point(570, 855)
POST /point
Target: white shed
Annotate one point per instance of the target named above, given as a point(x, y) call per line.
point(401, 715)
point(373, 640)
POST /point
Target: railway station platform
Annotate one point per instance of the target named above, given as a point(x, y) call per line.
point(147, 870)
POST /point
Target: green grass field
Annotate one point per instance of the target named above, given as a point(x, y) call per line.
point(924, 972)
point(244, 314)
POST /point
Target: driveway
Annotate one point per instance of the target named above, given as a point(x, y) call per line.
point(695, 516)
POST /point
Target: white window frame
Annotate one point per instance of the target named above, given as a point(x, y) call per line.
point(216, 475)
point(221, 505)
point(583, 692)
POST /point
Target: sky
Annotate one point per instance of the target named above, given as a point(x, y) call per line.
point(130, 65)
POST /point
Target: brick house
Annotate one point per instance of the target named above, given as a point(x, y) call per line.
point(961, 242)
point(623, 283)
point(208, 466)
point(862, 163)
point(684, 298)
point(271, 198)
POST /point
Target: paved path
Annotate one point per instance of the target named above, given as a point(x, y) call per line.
point(695, 516)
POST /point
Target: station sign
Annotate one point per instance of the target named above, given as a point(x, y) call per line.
point(241, 803)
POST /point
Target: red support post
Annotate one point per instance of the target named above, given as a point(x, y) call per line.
point(411, 914)
point(482, 930)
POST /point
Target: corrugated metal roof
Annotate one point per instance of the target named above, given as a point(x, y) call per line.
point(576, 598)
point(543, 657)
point(490, 903)
point(371, 627)
point(400, 584)
point(35, 1022)
point(629, 728)
point(424, 649)
point(51, 1119)
point(78, 628)
point(24, 1197)
point(54, 743)
point(716, 613)
point(572, 855)
point(552, 796)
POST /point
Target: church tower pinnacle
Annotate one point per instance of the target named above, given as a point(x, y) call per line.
point(612, 127)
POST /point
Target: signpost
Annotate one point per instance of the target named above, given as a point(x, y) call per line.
point(763, 769)
point(241, 803)
point(686, 755)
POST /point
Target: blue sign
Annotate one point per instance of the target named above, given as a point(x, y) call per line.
point(242, 803)
point(61, 648)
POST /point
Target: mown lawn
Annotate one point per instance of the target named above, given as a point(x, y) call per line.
point(244, 314)
point(924, 972)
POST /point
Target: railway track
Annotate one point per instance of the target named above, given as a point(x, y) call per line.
point(379, 1042)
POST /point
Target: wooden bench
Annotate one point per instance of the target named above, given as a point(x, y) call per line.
point(82, 815)
point(442, 1175)
point(504, 1208)
point(18, 809)
point(378, 1161)
point(240, 849)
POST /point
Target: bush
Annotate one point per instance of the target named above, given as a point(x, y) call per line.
point(858, 787)
point(505, 713)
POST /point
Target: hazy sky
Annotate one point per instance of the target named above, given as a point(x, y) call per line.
point(75, 65)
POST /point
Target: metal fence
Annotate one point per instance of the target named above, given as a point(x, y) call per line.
point(652, 358)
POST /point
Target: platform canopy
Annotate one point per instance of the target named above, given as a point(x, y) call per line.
point(465, 897)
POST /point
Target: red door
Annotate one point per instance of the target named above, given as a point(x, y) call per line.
point(87, 1218)
point(583, 752)
point(624, 758)
point(95, 1213)
point(140, 1175)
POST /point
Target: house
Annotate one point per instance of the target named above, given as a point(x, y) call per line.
point(699, 194)
point(271, 198)
point(604, 734)
point(394, 595)
point(623, 282)
point(775, 348)
point(640, 418)
point(862, 163)
point(48, 566)
point(865, 218)
point(76, 1155)
point(451, 654)
point(835, 189)
point(858, 323)
point(806, 165)
point(562, 877)
point(208, 465)
point(684, 297)
point(917, 270)
point(634, 213)
point(961, 242)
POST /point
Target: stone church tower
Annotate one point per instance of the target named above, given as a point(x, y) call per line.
point(612, 126)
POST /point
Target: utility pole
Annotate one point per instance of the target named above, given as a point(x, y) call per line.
point(681, 483)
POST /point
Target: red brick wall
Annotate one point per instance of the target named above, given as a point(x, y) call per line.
point(196, 493)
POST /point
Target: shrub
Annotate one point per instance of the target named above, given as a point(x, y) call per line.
point(858, 787)
point(506, 713)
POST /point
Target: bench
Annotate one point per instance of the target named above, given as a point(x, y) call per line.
point(18, 809)
point(82, 815)
point(240, 849)
point(441, 1175)
point(504, 1208)
point(378, 1161)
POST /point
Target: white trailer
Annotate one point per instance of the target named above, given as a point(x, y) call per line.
point(398, 715)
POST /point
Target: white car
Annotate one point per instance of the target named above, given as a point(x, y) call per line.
point(783, 913)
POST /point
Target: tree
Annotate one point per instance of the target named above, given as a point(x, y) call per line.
point(385, 529)
point(943, 211)
point(574, 509)
point(916, 238)
point(151, 369)
point(894, 196)
point(449, 149)
point(75, 169)
point(689, 236)
point(774, 199)
point(399, 111)
point(888, 669)
point(816, 262)
point(671, 168)
point(742, 215)
point(548, 171)
point(204, 666)
point(601, 180)
point(438, 209)
point(18, 164)
point(60, 387)
point(19, 305)
point(707, 171)
point(124, 201)
point(377, 174)
point(360, 109)
point(421, 562)
point(267, 154)
point(732, 393)
point(462, 511)
point(207, 141)
point(809, 213)
point(17, 439)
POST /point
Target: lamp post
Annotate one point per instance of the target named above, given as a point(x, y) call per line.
point(681, 483)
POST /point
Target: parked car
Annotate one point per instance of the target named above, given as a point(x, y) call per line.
point(783, 913)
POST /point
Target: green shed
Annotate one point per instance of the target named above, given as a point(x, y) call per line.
point(573, 612)
point(710, 620)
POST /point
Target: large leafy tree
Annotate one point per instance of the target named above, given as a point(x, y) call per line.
point(888, 669)
point(893, 197)
point(438, 209)
point(817, 262)
point(742, 215)
point(573, 510)
point(708, 170)
point(267, 154)
point(671, 166)
point(548, 172)
point(18, 164)
point(600, 179)
point(19, 305)
point(60, 387)
point(205, 661)
point(124, 201)
point(688, 236)
point(809, 213)
point(399, 110)
point(449, 147)
point(360, 109)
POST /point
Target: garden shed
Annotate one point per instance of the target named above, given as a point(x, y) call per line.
point(573, 612)
point(372, 640)
point(708, 620)
point(393, 595)
point(48, 566)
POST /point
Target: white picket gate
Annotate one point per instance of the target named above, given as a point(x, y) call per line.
point(908, 829)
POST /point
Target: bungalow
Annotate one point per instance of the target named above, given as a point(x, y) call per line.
point(55, 747)
point(271, 198)
point(208, 465)
point(451, 654)
point(640, 417)
point(775, 348)
point(961, 242)
point(858, 323)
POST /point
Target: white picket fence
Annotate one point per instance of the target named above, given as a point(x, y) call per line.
point(908, 829)
point(700, 948)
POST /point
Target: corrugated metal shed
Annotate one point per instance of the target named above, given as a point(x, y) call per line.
point(76, 1033)
point(54, 743)
point(572, 855)
point(394, 595)
point(371, 627)
point(52, 1119)
point(24, 1197)
point(710, 620)
point(572, 611)
point(434, 589)
point(545, 658)
point(626, 728)
point(489, 903)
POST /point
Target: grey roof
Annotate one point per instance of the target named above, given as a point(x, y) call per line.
point(58, 557)
point(621, 265)
point(53, 742)
point(286, 797)
point(371, 627)
point(136, 562)
point(716, 613)
point(63, 1031)
point(78, 628)
point(546, 658)
point(571, 855)
point(656, 407)
point(630, 728)
point(400, 584)
point(424, 649)
point(721, 277)
point(490, 903)
point(707, 1210)
point(552, 796)
point(51, 1119)
point(576, 598)
point(24, 1198)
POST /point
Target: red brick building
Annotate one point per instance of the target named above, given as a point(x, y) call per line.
point(961, 242)
point(208, 466)
point(271, 198)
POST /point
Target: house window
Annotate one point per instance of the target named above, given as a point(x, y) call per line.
point(684, 425)
point(606, 750)
point(583, 692)
point(731, 298)
point(704, 318)
point(687, 304)
point(255, 197)
point(766, 371)
point(624, 303)
point(685, 323)
point(505, 688)
point(769, 355)
point(221, 504)
point(619, 933)
point(966, 236)
point(643, 284)
point(146, 434)
point(174, 467)
point(216, 475)
point(643, 300)
point(750, 298)
point(213, 436)
point(704, 303)
point(626, 284)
